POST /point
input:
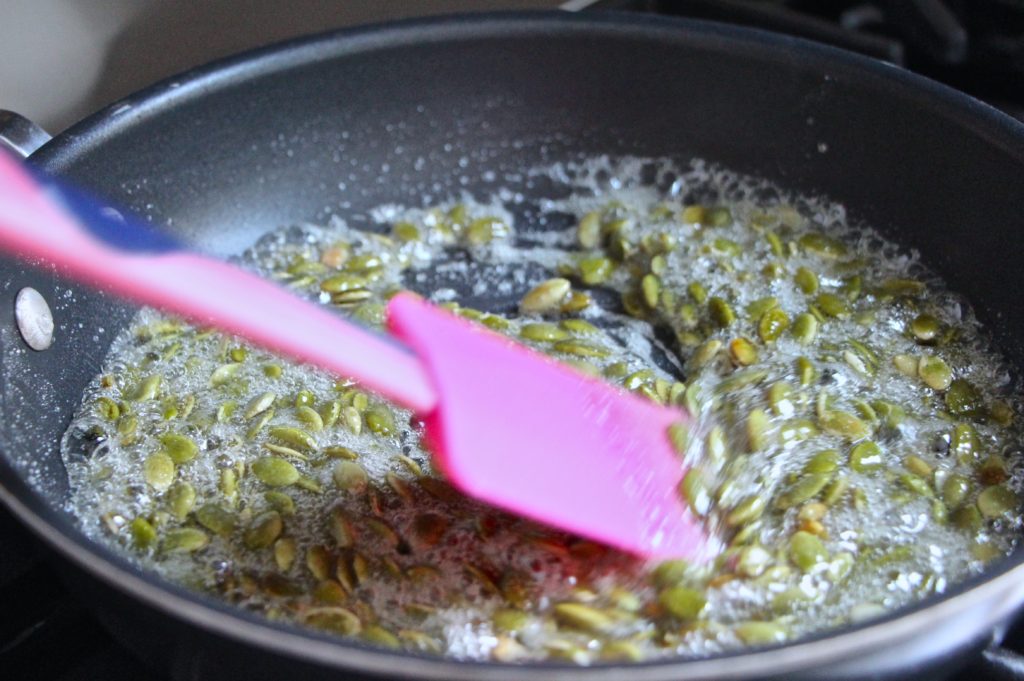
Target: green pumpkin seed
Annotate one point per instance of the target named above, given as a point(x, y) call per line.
point(915, 484)
point(721, 312)
point(758, 427)
point(107, 408)
point(967, 517)
point(305, 398)
point(380, 420)
point(996, 501)
point(772, 325)
point(682, 602)
point(263, 531)
point(405, 231)
point(805, 371)
point(695, 492)
point(964, 442)
point(806, 550)
point(580, 349)
point(750, 508)
point(844, 424)
point(334, 619)
point(158, 471)
point(866, 457)
point(216, 519)
point(143, 533)
point(963, 399)
point(147, 389)
point(832, 305)
point(955, 490)
point(275, 471)
point(293, 437)
point(806, 280)
point(181, 449)
point(586, 618)
point(341, 453)
point(352, 419)
point(935, 372)
point(925, 328)
point(697, 292)
point(284, 553)
point(760, 633)
point(224, 373)
point(181, 497)
point(543, 332)
point(807, 487)
point(350, 477)
point(310, 418)
point(650, 287)
point(588, 232)
point(280, 502)
point(822, 245)
point(547, 296)
point(259, 404)
point(184, 540)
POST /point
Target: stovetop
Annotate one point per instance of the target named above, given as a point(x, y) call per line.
point(974, 45)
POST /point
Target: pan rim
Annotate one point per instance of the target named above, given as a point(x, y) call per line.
point(847, 643)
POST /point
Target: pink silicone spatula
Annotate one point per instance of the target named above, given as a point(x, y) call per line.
point(506, 425)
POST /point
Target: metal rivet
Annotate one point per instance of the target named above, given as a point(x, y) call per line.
point(35, 321)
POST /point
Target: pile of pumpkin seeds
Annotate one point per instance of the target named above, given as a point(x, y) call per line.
point(853, 441)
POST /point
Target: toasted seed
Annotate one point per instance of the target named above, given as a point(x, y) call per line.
point(350, 477)
point(216, 519)
point(181, 497)
point(429, 528)
point(935, 372)
point(184, 540)
point(158, 471)
point(318, 562)
point(334, 619)
point(806, 550)
point(743, 351)
point(275, 471)
point(293, 437)
point(263, 531)
point(547, 296)
point(996, 501)
point(682, 602)
point(284, 553)
point(341, 528)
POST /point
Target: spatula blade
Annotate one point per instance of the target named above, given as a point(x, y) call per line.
point(525, 433)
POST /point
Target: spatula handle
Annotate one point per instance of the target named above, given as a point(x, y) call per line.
point(144, 265)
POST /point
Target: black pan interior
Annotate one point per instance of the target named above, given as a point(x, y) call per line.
point(415, 114)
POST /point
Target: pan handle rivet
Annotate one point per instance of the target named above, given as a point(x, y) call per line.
point(35, 320)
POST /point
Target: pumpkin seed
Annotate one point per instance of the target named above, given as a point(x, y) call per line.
point(184, 540)
point(350, 477)
point(334, 619)
point(963, 399)
point(310, 418)
point(158, 471)
point(263, 531)
point(760, 633)
point(721, 312)
point(806, 280)
point(996, 501)
point(547, 296)
point(143, 533)
point(147, 389)
point(293, 437)
point(259, 404)
point(181, 497)
point(275, 471)
point(216, 519)
point(935, 372)
point(806, 550)
point(682, 602)
point(584, 617)
point(380, 420)
point(543, 332)
point(772, 325)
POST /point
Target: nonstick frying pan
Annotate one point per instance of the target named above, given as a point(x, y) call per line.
point(417, 111)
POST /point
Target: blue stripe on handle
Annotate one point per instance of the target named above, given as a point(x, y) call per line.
point(108, 225)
